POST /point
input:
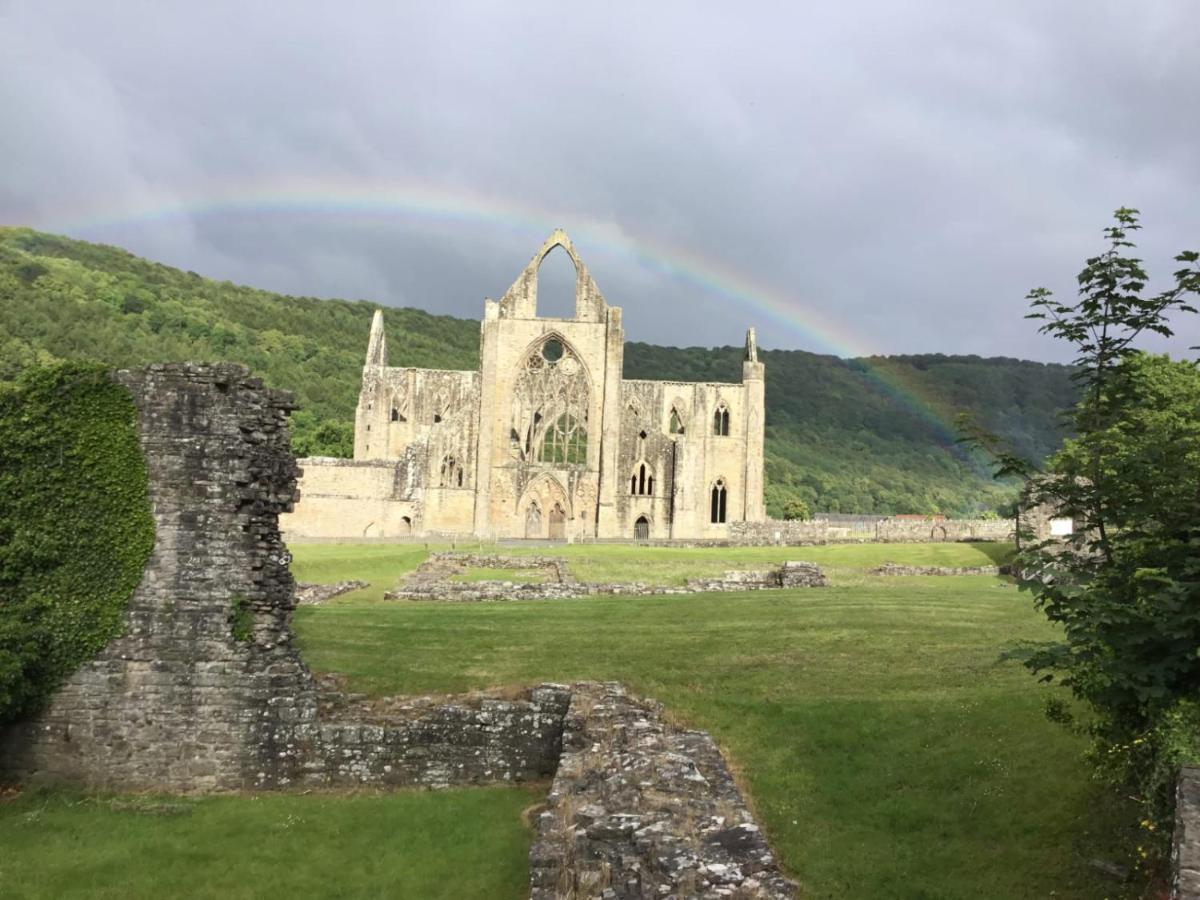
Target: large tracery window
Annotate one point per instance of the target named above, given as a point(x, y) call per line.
point(550, 406)
point(719, 498)
point(641, 483)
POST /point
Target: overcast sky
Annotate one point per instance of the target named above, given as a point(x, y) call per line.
point(850, 177)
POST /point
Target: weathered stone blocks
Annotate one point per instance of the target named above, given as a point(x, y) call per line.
point(1185, 857)
point(641, 809)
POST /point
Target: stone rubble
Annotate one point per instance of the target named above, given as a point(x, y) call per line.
point(642, 809)
point(316, 594)
point(899, 570)
point(434, 580)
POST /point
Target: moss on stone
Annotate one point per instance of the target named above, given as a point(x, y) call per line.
point(75, 525)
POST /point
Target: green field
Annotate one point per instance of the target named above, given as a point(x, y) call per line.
point(886, 748)
point(463, 843)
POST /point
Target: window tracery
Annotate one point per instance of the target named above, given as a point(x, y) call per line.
point(721, 421)
point(550, 406)
point(641, 483)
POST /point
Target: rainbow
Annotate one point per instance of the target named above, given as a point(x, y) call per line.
point(422, 203)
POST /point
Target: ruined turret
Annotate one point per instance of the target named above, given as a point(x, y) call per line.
point(377, 344)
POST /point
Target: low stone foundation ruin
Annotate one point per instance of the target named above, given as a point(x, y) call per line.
point(316, 594)
point(204, 690)
point(897, 569)
point(642, 809)
point(435, 580)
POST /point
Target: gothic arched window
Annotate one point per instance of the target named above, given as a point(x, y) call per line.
point(451, 472)
point(721, 421)
point(719, 498)
point(676, 426)
point(550, 406)
point(641, 484)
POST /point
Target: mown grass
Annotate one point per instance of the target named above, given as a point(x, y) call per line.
point(449, 844)
point(383, 565)
point(887, 748)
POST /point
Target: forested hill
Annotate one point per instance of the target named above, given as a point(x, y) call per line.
point(844, 435)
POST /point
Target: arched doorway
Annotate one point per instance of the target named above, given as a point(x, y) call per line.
point(641, 529)
point(938, 533)
point(558, 523)
point(405, 526)
point(533, 521)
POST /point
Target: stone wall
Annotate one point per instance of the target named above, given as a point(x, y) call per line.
point(204, 690)
point(642, 809)
point(178, 701)
point(779, 531)
point(1186, 856)
point(433, 743)
point(892, 530)
point(897, 569)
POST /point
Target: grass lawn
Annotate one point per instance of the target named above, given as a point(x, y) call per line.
point(450, 844)
point(887, 749)
point(383, 565)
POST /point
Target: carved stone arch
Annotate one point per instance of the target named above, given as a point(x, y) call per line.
point(520, 300)
point(555, 334)
point(545, 490)
point(641, 527)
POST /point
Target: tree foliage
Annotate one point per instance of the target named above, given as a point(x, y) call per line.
point(1127, 590)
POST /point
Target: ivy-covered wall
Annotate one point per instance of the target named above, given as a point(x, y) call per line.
point(75, 525)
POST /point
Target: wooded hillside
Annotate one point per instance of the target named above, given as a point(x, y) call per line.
point(840, 434)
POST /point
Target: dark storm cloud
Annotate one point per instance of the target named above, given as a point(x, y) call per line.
point(905, 171)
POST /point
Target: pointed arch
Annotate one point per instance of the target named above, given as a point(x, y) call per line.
point(641, 528)
point(551, 403)
point(641, 482)
point(718, 502)
point(721, 420)
point(675, 421)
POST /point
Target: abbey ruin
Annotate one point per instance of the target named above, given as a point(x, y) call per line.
point(545, 440)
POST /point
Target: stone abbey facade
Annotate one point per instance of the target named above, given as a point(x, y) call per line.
point(545, 440)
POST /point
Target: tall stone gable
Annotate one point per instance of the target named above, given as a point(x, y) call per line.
point(546, 440)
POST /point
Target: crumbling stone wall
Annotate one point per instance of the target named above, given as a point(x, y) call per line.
point(180, 701)
point(642, 809)
point(1186, 856)
point(429, 742)
point(897, 569)
point(892, 530)
point(204, 689)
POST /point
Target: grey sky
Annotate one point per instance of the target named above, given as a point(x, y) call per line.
point(887, 177)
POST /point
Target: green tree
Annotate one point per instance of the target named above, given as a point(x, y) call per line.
point(1126, 592)
point(796, 509)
